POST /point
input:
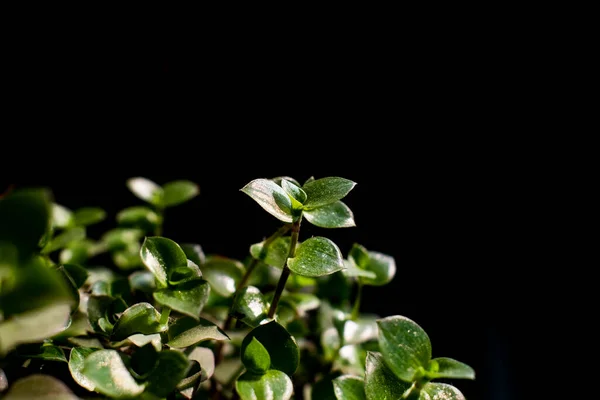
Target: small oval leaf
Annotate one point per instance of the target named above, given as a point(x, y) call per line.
point(271, 197)
point(140, 318)
point(187, 331)
point(273, 385)
point(383, 266)
point(349, 387)
point(250, 306)
point(194, 253)
point(138, 217)
point(76, 360)
point(275, 254)
point(145, 189)
point(380, 381)
point(223, 274)
point(178, 192)
point(281, 346)
point(405, 346)
point(88, 216)
point(188, 298)
point(334, 215)
point(172, 366)
point(255, 357)
point(160, 255)
point(317, 256)
point(451, 369)
point(109, 375)
point(327, 190)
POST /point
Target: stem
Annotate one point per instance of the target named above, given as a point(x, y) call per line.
point(356, 307)
point(164, 315)
point(159, 226)
point(286, 271)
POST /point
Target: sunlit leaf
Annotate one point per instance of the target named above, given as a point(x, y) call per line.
point(380, 381)
point(180, 191)
point(109, 375)
point(273, 385)
point(88, 216)
point(139, 318)
point(334, 215)
point(76, 359)
point(327, 190)
point(138, 217)
point(316, 256)
point(62, 217)
point(360, 330)
point(250, 306)
point(188, 298)
point(281, 346)
point(440, 391)
point(444, 367)
point(275, 254)
point(348, 387)
point(159, 255)
point(146, 190)
point(255, 357)
point(187, 331)
point(297, 195)
point(405, 346)
point(271, 197)
point(40, 387)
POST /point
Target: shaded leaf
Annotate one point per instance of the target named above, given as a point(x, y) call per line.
point(349, 387)
point(43, 351)
point(139, 217)
point(77, 273)
point(142, 281)
point(449, 368)
point(382, 265)
point(88, 216)
point(39, 387)
point(187, 331)
point(316, 256)
point(184, 274)
point(255, 357)
point(405, 346)
point(188, 298)
point(380, 381)
point(271, 197)
point(159, 255)
point(297, 195)
point(121, 238)
point(352, 270)
point(274, 254)
point(280, 345)
point(109, 375)
point(64, 238)
point(178, 192)
point(325, 191)
point(363, 329)
point(145, 189)
point(334, 215)
point(76, 360)
point(194, 253)
point(273, 385)
point(140, 318)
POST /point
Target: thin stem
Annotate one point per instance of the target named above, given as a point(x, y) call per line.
point(356, 307)
point(164, 315)
point(286, 270)
point(159, 225)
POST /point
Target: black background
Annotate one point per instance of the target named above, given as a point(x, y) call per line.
point(423, 126)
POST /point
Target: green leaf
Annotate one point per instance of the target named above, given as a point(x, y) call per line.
point(334, 215)
point(250, 306)
point(352, 270)
point(77, 273)
point(223, 274)
point(384, 267)
point(76, 360)
point(316, 256)
point(255, 357)
point(297, 195)
point(142, 361)
point(160, 255)
point(139, 318)
point(140, 340)
point(64, 238)
point(322, 389)
point(187, 331)
point(188, 298)
point(62, 217)
point(184, 274)
point(129, 257)
point(39, 387)
point(275, 254)
point(120, 238)
point(449, 368)
point(360, 330)
point(88, 216)
point(206, 358)
point(380, 381)
point(301, 302)
point(78, 252)
point(348, 387)
point(43, 351)
point(142, 281)
point(405, 346)
point(33, 326)
point(178, 192)
point(440, 391)
point(194, 253)
point(351, 359)
point(172, 367)
point(273, 385)
point(109, 375)
point(138, 217)
point(98, 307)
point(282, 346)
point(146, 190)
point(25, 216)
point(271, 197)
point(278, 180)
point(325, 191)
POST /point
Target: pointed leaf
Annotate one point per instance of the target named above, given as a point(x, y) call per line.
point(62, 217)
point(76, 360)
point(348, 387)
point(450, 368)
point(250, 306)
point(440, 391)
point(380, 381)
point(352, 270)
point(326, 191)
point(39, 387)
point(271, 197)
point(160, 255)
point(64, 238)
point(43, 351)
point(178, 192)
point(77, 273)
point(255, 357)
point(223, 274)
point(88, 216)
point(25, 216)
point(146, 190)
point(206, 359)
point(138, 217)
point(273, 385)
point(141, 340)
point(171, 368)
point(275, 254)
point(278, 180)
point(139, 318)
point(194, 253)
point(187, 331)
point(282, 346)
point(360, 255)
point(297, 195)
point(334, 215)
point(109, 375)
point(384, 267)
point(405, 346)
point(188, 298)
point(316, 256)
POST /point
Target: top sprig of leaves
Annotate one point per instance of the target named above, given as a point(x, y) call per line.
point(168, 195)
point(318, 200)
